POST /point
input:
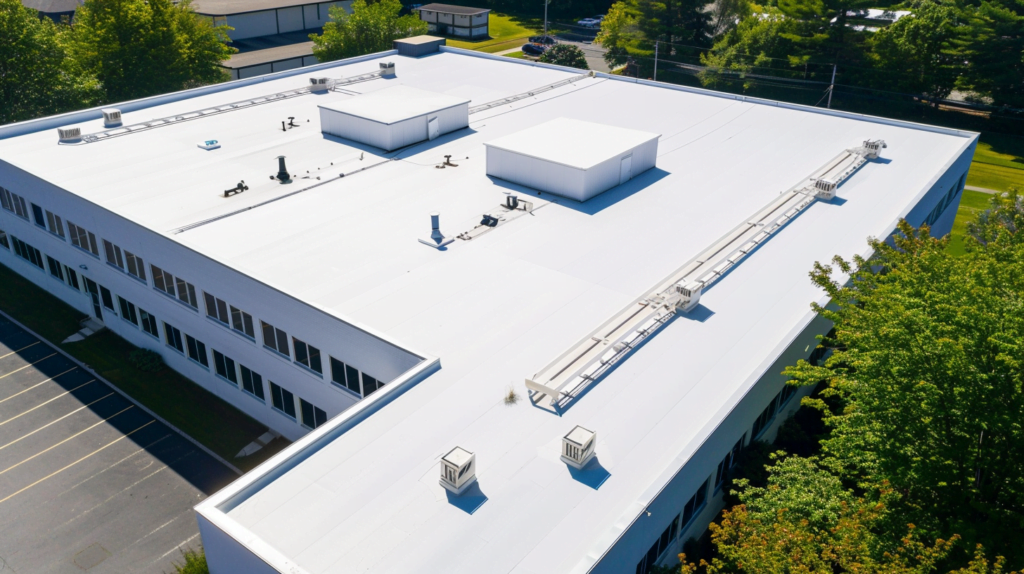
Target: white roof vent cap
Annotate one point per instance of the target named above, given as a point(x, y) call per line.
point(111, 117)
point(578, 447)
point(321, 84)
point(69, 135)
point(387, 69)
point(458, 470)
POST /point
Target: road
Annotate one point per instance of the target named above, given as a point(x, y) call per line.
point(88, 480)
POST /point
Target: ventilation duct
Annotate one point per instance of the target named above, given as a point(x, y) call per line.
point(437, 239)
point(320, 84)
point(111, 117)
point(578, 447)
point(458, 470)
point(69, 135)
point(387, 69)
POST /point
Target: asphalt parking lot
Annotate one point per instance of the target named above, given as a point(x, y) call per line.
point(89, 482)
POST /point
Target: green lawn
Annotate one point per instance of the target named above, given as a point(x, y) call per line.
point(219, 426)
point(518, 55)
point(998, 163)
point(505, 32)
point(971, 204)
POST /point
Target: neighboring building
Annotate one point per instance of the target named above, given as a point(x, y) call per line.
point(55, 10)
point(256, 18)
point(329, 294)
point(269, 60)
point(458, 21)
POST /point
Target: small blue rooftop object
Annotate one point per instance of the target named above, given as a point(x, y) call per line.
point(209, 144)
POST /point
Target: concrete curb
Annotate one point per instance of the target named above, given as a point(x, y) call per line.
point(87, 369)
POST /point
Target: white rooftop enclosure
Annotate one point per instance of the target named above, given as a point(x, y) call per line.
point(572, 158)
point(396, 353)
point(394, 117)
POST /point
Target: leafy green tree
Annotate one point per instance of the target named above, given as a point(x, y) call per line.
point(369, 28)
point(1001, 222)
point(139, 48)
point(921, 53)
point(632, 27)
point(928, 359)
point(761, 41)
point(995, 47)
point(566, 55)
point(37, 77)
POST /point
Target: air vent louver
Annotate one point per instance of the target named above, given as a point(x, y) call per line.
point(69, 135)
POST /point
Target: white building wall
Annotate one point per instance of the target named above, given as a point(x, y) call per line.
point(480, 19)
point(252, 24)
point(536, 173)
point(290, 19)
point(225, 555)
point(332, 336)
point(356, 129)
point(605, 175)
point(392, 136)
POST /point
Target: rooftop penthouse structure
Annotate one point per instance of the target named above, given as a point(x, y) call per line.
point(517, 318)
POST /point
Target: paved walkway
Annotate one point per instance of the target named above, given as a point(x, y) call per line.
point(89, 481)
point(981, 189)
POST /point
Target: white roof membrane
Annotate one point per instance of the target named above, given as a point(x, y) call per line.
point(395, 104)
point(573, 142)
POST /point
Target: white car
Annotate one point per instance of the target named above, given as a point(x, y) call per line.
point(589, 23)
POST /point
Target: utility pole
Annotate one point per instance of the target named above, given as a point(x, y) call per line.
point(655, 60)
point(831, 87)
point(546, 2)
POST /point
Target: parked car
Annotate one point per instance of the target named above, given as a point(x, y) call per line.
point(589, 23)
point(545, 40)
point(533, 49)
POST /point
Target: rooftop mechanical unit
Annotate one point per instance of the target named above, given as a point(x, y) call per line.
point(69, 135)
point(578, 447)
point(458, 470)
point(825, 188)
point(572, 158)
point(111, 117)
point(317, 85)
point(394, 117)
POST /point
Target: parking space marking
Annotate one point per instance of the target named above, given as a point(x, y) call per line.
point(81, 432)
point(37, 384)
point(143, 449)
point(27, 366)
point(55, 421)
point(18, 351)
point(180, 544)
point(47, 402)
point(95, 452)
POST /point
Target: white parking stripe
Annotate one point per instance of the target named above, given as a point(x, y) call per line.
point(55, 421)
point(37, 384)
point(47, 402)
point(19, 350)
point(79, 433)
point(27, 366)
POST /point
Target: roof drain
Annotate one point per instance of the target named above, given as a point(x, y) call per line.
point(437, 239)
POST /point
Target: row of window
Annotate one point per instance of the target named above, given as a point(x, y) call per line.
point(300, 352)
point(226, 368)
point(678, 525)
point(768, 414)
point(943, 203)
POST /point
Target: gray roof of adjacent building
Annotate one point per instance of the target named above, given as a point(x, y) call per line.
point(452, 9)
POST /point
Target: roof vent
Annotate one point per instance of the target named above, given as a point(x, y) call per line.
point(578, 447)
point(69, 135)
point(826, 188)
point(689, 296)
point(387, 69)
point(458, 470)
point(111, 117)
point(320, 84)
point(437, 239)
point(873, 147)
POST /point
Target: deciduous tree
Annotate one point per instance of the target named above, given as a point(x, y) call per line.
point(566, 55)
point(369, 28)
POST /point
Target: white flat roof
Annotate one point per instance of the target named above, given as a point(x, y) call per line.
point(573, 142)
point(497, 308)
point(395, 104)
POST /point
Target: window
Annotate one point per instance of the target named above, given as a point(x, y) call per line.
point(54, 224)
point(252, 383)
point(174, 338)
point(162, 280)
point(108, 299)
point(71, 278)
point(37, 215)
point(765, 418)
point(727, 463)
point(242, 322)
point(216, 309)
point(3, 239)
point(113, 254)
point(225, 367)
point(187, 293)
point(27, 252)
point(149, 323)
point(308, 356)
point(128, 311)
point(282, 400)
point(83, 239)
point(14, 203)
point(312, 417)
point(55, 268)
point(659, 547)
point(694, 505)
point(785, 394)
point(275, 339)
point(349, 377)
point(136, 267)
point(197, 351)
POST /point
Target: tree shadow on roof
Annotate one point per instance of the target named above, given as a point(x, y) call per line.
point(597, 203)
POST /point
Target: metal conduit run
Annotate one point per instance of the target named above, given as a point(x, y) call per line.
point(590, 358)
point(531, 93)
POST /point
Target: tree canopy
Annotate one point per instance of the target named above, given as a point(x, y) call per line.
point(37, 76)
point(369, 28)
point(138, 48)
point(566, 55)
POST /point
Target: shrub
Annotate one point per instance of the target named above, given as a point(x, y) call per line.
point(193, 562)
point(146, 360)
